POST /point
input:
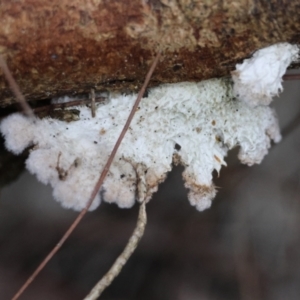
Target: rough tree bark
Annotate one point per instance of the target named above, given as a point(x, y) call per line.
point(65, 47)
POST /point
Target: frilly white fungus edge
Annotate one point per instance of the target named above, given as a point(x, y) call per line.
point(258, 79)
point(193, 124)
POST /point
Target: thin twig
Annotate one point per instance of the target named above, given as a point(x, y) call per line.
point(93, 105)
point(97, 186)
point(291, 77)
point(15, 88)
point(66, 104)
point(116, 268)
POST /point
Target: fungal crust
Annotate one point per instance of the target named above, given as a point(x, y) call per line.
point(193, 124)
point(258, 79)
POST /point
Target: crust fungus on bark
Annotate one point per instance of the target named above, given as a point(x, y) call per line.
point(68, 47)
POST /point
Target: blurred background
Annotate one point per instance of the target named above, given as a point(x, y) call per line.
point(246, 246)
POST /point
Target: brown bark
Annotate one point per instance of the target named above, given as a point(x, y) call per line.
point(65, 47)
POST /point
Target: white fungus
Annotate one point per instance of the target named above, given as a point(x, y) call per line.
point(193, 124)
point(258, 79)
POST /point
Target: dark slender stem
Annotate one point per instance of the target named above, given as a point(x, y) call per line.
point(67, 104)
point(97, 186)
point(291, 77)
point(15, 88)
point(93, 105)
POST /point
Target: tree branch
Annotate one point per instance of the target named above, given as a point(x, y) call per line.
point(62, 47)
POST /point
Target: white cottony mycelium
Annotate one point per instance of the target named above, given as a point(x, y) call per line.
point(258, 79)
point(193, 124)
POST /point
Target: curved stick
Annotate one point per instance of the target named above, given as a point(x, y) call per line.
point(97, 186)
point(116, 268)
